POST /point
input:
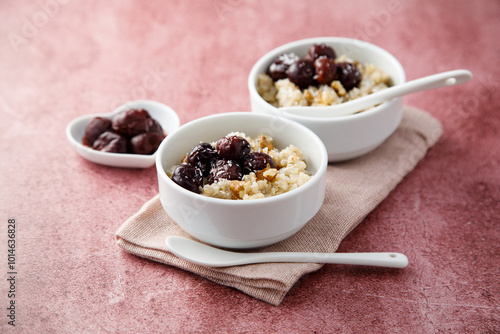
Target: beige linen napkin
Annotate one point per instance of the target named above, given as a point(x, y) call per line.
point(354, 188)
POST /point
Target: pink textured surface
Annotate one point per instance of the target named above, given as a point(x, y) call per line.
point(60, 60)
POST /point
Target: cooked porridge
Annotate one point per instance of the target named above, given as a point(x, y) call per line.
point(319, 79)
point(240, 167)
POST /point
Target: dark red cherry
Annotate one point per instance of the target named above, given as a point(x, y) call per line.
point(145, 143)
point(256, 161)
point(302, 73)
point(131, 122)
point(318, 50)
point(95, 127)
point(154, 126)
point(325, 70)
point(277, 70)
point(188, 177)
point(111, 142)
point(225, 169)
point(349, 75)
point(202, 156)
point(232, 147)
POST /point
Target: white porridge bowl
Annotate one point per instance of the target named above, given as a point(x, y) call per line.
point(345, 137)
point(242, 223)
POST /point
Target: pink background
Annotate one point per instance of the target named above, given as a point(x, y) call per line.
point(60, 60)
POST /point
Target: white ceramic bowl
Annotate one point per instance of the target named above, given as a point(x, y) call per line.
point(242, 223)
point(163, 114)
point(345, 137)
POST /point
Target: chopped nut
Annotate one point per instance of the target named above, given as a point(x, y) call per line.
point(308, 95)
point(267, 173)
point(270, 173)
point(337, 86)
point(265, 142)
point(259, 175)
point(238, 188)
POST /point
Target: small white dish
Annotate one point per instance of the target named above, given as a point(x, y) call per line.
point(163, 114)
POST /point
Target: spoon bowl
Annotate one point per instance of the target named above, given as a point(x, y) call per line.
point(201, 254)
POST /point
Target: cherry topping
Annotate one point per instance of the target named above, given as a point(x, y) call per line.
point(202, 156)
point(232, 147)
point(349, 75)
point(301, 73)
point(325, 70)
point(225, 169)
point(277, 70)
point(318, 50)
point(256, 161)
point(188, 177)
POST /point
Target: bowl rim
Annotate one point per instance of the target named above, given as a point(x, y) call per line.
point(199, 197)
point(266, 58)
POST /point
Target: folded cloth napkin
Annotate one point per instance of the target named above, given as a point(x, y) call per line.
point(354, 188)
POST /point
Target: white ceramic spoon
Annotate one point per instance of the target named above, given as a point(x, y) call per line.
point(204, 255)
point(444, 79)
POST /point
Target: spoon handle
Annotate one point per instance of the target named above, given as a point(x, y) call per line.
point(205, 255)
point(392, 260)
point(444, 79)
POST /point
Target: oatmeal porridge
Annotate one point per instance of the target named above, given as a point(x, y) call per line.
point(241, 167)
point(321, 78)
